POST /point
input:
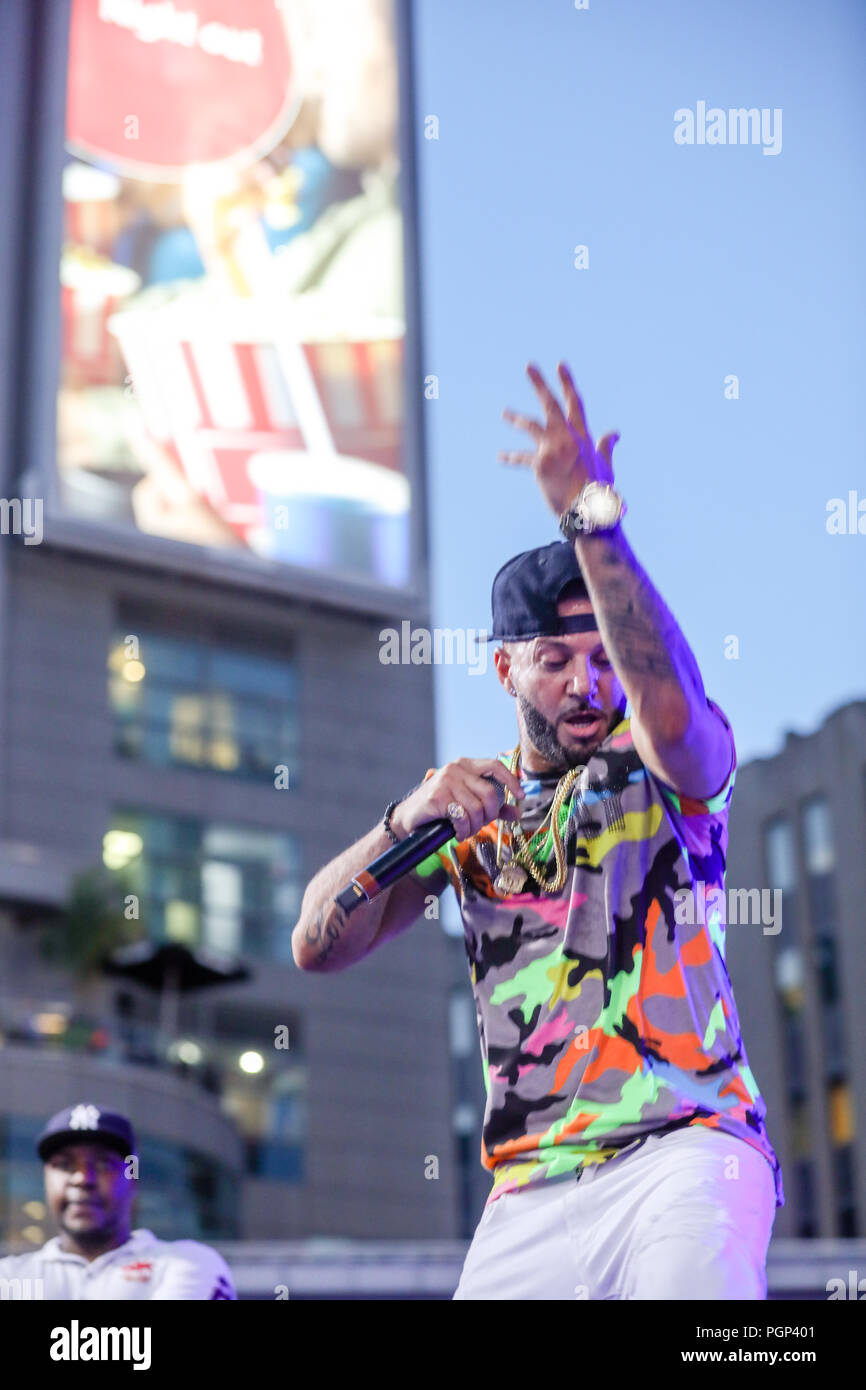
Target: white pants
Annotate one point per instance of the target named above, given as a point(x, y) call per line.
point(688, 1215)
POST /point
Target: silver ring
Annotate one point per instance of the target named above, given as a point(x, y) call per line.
point(456, 811)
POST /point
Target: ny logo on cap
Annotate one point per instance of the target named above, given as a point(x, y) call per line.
point(84, 1117)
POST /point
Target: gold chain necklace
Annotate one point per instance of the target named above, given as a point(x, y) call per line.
point(513, 874)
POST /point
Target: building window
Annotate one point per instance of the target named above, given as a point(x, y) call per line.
point(273, 1123)
point(230, 888)
point(847, 1225)
point(807, 1200)
point(263, 1085)
point(789, 972)
point(805, 1183)
point(820, 862)
point(781, 869)
point(818, 837)
point(185, 701)
point(779, 853)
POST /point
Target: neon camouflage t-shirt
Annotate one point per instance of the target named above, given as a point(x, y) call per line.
point(605, 1011)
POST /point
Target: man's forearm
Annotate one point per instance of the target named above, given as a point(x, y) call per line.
point(326, 937)
point(652, 659)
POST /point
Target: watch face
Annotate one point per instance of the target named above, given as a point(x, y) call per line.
point(601, 508)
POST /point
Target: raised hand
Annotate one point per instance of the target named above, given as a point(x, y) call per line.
point(565, 457)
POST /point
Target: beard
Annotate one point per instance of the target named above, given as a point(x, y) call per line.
point(542, 736)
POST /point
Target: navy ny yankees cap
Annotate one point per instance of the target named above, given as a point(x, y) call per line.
point(86, 1124)
point(526, 591)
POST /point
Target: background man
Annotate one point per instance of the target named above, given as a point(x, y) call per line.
point(90, 1175)
point(623, 1126)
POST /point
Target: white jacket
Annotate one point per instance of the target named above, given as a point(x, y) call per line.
point(143, 1267)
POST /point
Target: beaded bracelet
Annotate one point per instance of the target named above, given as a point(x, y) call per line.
point(389, 811)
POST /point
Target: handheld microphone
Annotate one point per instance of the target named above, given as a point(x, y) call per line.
point(394, 863)
point(400, 859)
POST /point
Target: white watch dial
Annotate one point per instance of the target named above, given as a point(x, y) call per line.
point(600, 507)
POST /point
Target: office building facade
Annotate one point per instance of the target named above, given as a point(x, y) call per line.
point(194, 716)
point(797, 832)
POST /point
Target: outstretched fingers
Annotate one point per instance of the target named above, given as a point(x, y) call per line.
point(522, 459)
point(524, 422)
point(552, 408)
point(573, 404)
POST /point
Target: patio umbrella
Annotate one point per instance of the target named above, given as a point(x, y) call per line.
point(173, 969)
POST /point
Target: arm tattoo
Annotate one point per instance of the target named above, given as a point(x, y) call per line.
point(641, 635)
point(325, 931)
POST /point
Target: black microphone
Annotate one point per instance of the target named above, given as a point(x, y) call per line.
point(394, 863)
point(400, 859)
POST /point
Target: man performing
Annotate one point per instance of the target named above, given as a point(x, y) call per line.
point(624, 1129)
point(90, 1182)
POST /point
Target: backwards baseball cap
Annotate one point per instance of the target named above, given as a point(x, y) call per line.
point(86, 1124)
point(526, 591)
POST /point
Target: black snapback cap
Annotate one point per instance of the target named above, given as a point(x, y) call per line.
point(86, 1124)
point(526, 591)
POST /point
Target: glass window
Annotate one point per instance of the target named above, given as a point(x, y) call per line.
point(825, 962)
point(806, 1200)
point(818, 836)
point(841, 1114)
point(794, 1045)
point(779, 851)
point(781, 872)
point(270, 1110)
point(253, 675)
point(230, 888)
point(820, 861)
point(847, 1224)
point(462, 1027)
point(182, 701)
point(789, 977)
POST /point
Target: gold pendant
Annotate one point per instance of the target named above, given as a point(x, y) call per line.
point(509, 880)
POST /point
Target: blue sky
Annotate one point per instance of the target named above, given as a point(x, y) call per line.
point(556, 129)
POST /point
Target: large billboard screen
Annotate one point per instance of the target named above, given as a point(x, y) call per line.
point(233, 280)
